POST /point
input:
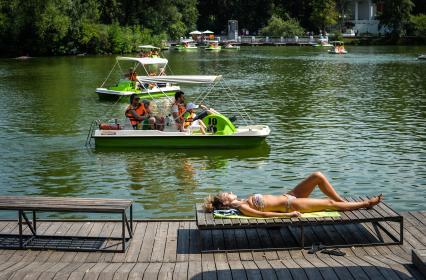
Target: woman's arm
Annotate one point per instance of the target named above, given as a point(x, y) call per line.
point(137, 116)
point(248, 211)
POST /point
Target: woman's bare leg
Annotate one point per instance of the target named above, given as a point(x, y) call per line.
point(313, 204)
point(305, 188)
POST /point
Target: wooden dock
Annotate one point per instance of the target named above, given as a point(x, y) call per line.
point(171, 249)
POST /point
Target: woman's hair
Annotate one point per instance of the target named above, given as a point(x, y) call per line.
point(214, 202)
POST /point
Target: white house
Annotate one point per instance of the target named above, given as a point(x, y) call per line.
point(362, 13)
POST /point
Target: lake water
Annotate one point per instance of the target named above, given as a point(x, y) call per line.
point(359, 118)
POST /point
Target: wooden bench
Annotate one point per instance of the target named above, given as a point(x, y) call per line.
point(380, 213)
point(23, 204)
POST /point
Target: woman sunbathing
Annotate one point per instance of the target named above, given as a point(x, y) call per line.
point(290, 204)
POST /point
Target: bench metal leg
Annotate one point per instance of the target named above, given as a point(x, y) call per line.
point(396, 240)
point(20, 228)
point(35, 222)
point(29, 223)
point(131, 219)
point(129, 229)
point(123, 231)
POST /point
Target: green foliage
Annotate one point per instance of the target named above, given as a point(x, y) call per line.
point(51, 26)
point(324, 13)
point(396, 16)
point(251, 15)
point(45, 27)
point(419, 24)
point(279, 27)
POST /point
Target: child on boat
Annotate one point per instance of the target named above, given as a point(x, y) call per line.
point(190, 123)
point(290, 204)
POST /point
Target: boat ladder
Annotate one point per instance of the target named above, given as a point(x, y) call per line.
point(93, 125)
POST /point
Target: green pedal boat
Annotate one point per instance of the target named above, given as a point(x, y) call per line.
point(186, 45)
point(221, 132)
point(129, 84)
point(213, 46)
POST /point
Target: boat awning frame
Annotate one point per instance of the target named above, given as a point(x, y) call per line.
point(144, 60)
point(182, 79)
point(148, 47)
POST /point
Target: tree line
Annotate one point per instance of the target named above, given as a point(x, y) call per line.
point(58, 27)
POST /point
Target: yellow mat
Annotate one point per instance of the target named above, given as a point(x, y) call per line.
point(321, 214)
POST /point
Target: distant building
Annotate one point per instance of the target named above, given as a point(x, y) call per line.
point(362, 14)
point(232, 29)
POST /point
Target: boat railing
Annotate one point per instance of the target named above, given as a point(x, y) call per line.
point(277, 40)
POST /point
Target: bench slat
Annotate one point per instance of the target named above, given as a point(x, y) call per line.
point(64, 204)
point(16, 199)
point(372, 211)
point(389, 210)
point(64, 209)
point(201, 215)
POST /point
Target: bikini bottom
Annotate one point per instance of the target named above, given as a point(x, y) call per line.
point(290, 199)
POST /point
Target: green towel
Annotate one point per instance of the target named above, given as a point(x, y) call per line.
point(322, 214)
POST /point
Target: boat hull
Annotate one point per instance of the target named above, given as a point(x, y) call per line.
point(231, 142)
point(319, 45)
point(334, 52)
point(213, 49)
point(186, 49)
point(245, 137)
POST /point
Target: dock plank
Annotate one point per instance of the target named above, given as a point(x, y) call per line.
point(171, 250)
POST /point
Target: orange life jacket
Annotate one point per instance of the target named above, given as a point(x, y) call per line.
point(132, 76)
point(188, 120)
point(140, 110)
point(181, 112)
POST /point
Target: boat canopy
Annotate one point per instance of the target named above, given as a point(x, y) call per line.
point(151, 47)
point(208, 32)
point(187, 79)
point(144, 60)
point(196, 32)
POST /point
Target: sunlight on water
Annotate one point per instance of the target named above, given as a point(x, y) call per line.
point(359, 118)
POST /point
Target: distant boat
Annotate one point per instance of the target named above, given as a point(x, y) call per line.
point(422, 56)
point(186, 45)
point(338, 48)
point(230, 45)
point(213, 46)
point(149, 51)
point(322, 42)
point(23, 57)
point(164, 45)
point(130, 84)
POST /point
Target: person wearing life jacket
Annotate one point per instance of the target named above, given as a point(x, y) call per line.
point(190, 122)
point(178, 110)
point(136, 112)
point(131, 75)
